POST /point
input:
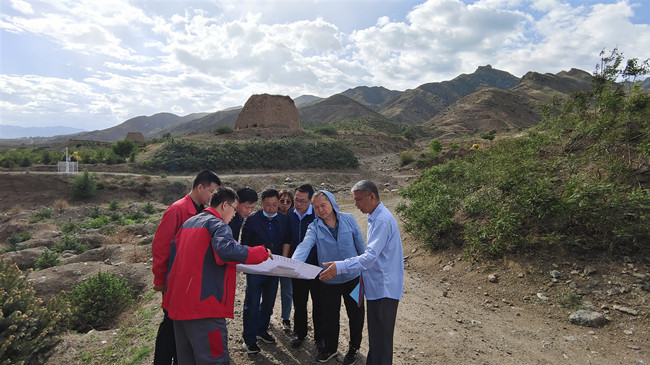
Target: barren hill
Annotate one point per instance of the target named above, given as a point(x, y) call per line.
point(418, 105)
point(335, 108)
point(144, 124)
point(485, 110)
point(542, 87)
point(372, 97)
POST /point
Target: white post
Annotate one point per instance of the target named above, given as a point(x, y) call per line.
point(67, 161)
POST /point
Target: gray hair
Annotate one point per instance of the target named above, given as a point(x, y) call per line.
point(367, 187)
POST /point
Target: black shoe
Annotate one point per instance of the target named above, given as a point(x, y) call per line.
point(296, 341)
point(266, 337)
point(325, 356)
point(286, 325)
point(251, 349)
point(351, 357)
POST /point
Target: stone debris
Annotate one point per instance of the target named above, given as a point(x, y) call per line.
point(587, 318)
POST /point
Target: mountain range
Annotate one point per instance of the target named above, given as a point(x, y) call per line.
point(487, 99)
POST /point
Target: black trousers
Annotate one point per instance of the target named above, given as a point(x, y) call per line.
point(165, 353)
point(331, 308)
point(301, 290)
point(381, 326)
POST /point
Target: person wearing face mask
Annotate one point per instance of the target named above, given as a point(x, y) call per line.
point(286, 288)
point(337, 236)
point(201, 282)
point(268, 228)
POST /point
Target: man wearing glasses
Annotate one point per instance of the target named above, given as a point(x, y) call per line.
point(201, 285)
point(300, 217)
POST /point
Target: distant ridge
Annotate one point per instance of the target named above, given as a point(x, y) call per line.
point(333, 109)
point(418, 105)
point(12, 131)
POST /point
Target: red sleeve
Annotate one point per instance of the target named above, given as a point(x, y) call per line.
point(162, 242)
point(256, 255)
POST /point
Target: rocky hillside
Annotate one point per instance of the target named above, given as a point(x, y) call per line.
point(335, 108)
point(418, 105)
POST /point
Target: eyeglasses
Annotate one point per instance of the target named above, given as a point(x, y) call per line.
point(301, 201)
point(232, 206)
point(285, 201)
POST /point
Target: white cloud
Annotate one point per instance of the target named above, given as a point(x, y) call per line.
point(144, 57)
point(22, 6)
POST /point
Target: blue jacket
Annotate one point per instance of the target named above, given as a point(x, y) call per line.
point(299, 230)
point(348, 243)
point(255, 231)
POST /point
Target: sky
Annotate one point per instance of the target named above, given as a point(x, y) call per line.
point(93, 64)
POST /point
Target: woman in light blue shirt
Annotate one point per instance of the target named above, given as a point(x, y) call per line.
point(337, 236)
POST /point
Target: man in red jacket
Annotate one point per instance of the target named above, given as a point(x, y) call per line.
point(201, 284)
point(205, 183)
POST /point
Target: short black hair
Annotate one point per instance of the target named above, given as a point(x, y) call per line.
point(247, 195)
point(205, 178)
point(306, 188)
point(269, 193)
point(221, 195)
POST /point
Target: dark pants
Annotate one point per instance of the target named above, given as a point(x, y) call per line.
point(301, 290)
point(331, 308)
point(165, 353)
point(381, 326)
point(258, 304)
point(202, 341)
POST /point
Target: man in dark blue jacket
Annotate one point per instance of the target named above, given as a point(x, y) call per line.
point(300, 216)
point(264, 227)
point(247, 203)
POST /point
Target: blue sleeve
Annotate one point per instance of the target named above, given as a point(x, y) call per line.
point(225, 247)
point(376, 243)
point(359, 242)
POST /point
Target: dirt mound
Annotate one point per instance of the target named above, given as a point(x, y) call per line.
point(268, 111)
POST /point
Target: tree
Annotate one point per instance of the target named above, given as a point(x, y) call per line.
point(123, 148)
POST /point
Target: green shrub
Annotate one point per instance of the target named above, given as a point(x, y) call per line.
point(99, 222)
point(47, 259)
point(454, 146)
point(406, 157)
point(435, 147)
point(224, 129)
point(114, 205)
point(25, 162)
point(123, 148)
point(41, 215)
point(29, 330)
point(178, 155)
point(326, 130)
point(96, 211)
point(84, 185)
point(97, 301)
point(19, 237)
point(69, 243)
point(70, 227)
point(116, 217)
point(149, 208)
point(489, 135)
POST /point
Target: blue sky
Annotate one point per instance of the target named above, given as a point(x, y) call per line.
point(95, 64)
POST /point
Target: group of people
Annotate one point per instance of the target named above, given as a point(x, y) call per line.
point(196, 250)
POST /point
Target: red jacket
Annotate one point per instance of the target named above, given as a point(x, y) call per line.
point(173, 218)
point(203, 274)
